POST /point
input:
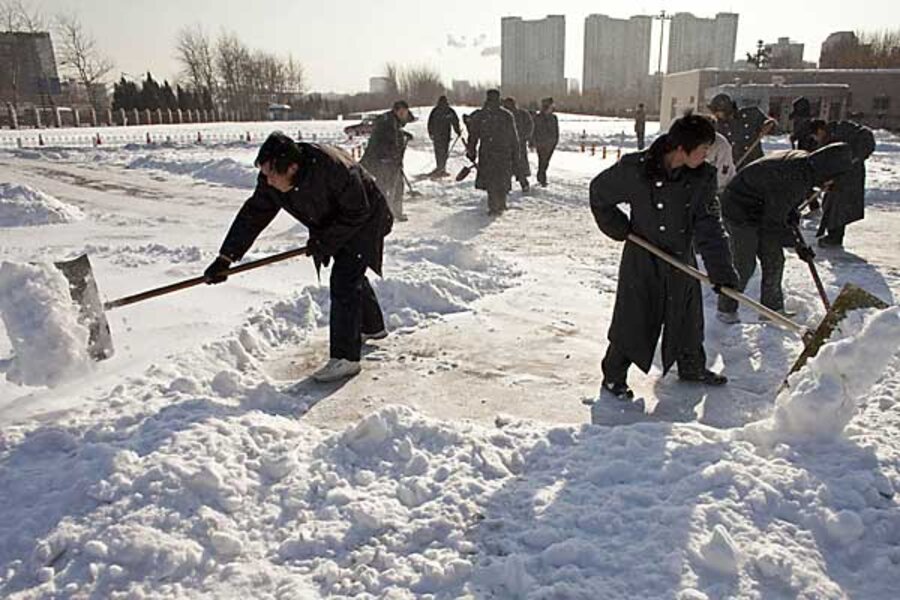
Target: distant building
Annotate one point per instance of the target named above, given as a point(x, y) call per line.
point(834, 48)
point(28, 75)
point(617, 58)
point(461, 88)
point(697, 43)
point(573, 86)
point(869, 96)
point(532, 56)
point(380, 85)
point(785, 54)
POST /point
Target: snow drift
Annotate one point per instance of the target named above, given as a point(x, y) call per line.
point(49, 342)
point(222, 171)
point(25, 206)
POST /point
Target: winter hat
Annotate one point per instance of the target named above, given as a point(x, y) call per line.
point(722, 103)
point(801, 108)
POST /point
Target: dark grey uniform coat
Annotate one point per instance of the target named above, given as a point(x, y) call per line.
point(674, 212)
point(741, 130)
point(845, 203)
point(492, 134)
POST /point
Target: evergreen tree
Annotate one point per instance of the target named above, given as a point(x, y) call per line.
point(168, 99)
point(150, 94)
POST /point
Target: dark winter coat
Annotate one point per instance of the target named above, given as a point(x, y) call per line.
point(441, 121)
point(546, 130)
point(765, 192)
point(741, 130)
point(674, 212)
point(493, 138)
point(845, 203)
point(335, 198)
point(640, 121)
point(802, 135)
point(525, 129)
point(383, 157)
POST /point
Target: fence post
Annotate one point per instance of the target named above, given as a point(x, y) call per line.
point(37, 117)
point(137, 116)
point(13, 116)
point(77, 115)
point(57, 117)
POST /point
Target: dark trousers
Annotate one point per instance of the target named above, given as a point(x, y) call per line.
point(544, 154)
point(615, 364)
point(441, 153)
point(354, 307)
point(747, 245)
point(496, 201)
point(640, 139)
point(835, 234)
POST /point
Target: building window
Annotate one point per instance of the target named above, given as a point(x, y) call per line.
point(881, 103)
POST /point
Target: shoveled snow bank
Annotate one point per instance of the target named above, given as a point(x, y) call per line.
point(223, 171)
point(49, 342)
point(24, 206)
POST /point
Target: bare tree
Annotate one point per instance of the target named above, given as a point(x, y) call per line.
point(421, 85)
point(194, 51)
point(16, 17)
point(80, 55)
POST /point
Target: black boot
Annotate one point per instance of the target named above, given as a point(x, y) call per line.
point(704, 376)
point(619, 390)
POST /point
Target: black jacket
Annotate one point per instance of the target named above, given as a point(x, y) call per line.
point(335, 198)
point(741, 130)
point(441, 121)
point(386, 144)
point(765, 192)
point(493, 137)
point(674, 212)
point(846, 202)
point(546, 129)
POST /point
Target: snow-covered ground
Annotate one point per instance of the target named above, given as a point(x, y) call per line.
point(465, 460)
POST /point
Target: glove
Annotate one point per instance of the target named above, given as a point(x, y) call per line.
point(727, 279)
point(217, 272)
point(806, 253)
point(318, 254)
point(471, 155)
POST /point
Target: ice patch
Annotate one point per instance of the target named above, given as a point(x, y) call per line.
point(25, 206)
point(48, 340)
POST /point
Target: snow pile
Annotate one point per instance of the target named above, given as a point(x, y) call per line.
point(24, 206)
point(131, 256)
point(823, 396)
point(48, 340)
point(223, 171)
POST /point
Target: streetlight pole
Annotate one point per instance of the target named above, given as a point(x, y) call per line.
point(662, 17)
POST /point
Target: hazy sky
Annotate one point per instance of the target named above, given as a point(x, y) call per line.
point(342, 43)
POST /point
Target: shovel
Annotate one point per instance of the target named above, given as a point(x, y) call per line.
point(412, 191)
point(465, 171)
point(83, 288)
point(851, 298)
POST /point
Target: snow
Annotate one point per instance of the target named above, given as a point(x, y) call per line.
point(49, 342)
point(24, 206)
point(200, 461)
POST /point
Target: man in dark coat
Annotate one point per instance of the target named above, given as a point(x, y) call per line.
point(640, 125)
point(347, 218)
point(671, 192)
point(845, 201)
point(383, 157)
point(441, 121)
point(494, 143)
point(760, 209)
point(742, 128)
point(525, 129)
point(545, 138)
point(802, 136)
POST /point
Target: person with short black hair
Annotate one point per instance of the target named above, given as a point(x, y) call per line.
point(640, 125)
point(671, 192)
point(742, 127)
point(383, 156)
point(347, 217)
point(441, 121)
point(524, 129)
point(545, 138)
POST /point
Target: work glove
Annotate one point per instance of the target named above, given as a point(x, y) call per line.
point(318, 254)
point(805, 252)
point(728, 278)
point(217, 272)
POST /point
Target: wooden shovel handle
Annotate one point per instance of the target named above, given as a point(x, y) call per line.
point(188, 283)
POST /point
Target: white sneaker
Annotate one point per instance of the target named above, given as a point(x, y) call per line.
point(729, 318)
point(336, 370)
point(380, 335)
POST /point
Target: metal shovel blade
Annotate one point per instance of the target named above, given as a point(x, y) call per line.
point(463, 173)
point(83, 289)
point(851, 298)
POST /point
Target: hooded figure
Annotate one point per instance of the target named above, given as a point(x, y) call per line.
point(494, 143)
point(671, 193)
point(845, 200)
point(525, 129)
point(759, 206)
point(741, 127)
point(442, 120)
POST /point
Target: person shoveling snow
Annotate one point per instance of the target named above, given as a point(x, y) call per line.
point(49, 341)
point(348, 219)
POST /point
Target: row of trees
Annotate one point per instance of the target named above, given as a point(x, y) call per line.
point(149, 94)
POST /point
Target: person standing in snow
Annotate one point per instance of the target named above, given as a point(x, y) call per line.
point(802, 136)
point(383, 157)
point(743, 128)
point(347, 217)
point(545, 138)
point(640, 125)
point(525, 129)
point(760, 210)
point(441, 121)
point(494, 143)
point(671, 191)
point(845, 201)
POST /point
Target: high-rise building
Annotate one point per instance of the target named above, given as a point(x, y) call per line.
point(697, 43)
point(785, 54)
point(28, 73)
point(533, 56)
point(616, 55)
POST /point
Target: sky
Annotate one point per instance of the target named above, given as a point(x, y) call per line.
point(342, 44)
